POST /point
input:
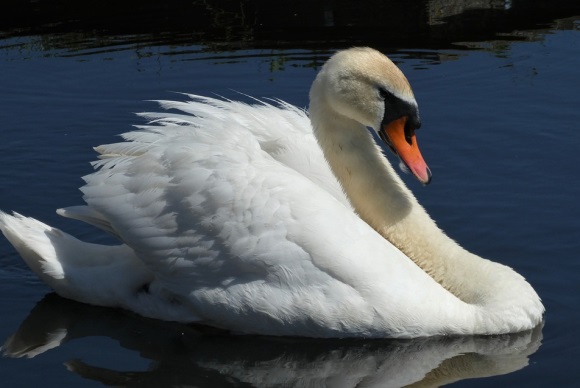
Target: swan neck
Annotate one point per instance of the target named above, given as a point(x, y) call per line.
point(369, 181)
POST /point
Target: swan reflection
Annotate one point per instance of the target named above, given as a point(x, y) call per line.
point(185, 355)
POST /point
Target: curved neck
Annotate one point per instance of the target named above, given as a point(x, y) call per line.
point(381, 199)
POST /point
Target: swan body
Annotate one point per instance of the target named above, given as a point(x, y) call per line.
point(264, 219)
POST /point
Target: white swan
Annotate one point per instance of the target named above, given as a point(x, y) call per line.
point(230, 215)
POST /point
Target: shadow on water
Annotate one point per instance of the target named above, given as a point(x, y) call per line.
point(184, 355)
point(70, 28)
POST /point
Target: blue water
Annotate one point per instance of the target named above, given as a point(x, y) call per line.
point(500, 133)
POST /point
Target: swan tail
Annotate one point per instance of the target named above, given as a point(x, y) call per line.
point(91, 273)
point(33, 240)
point(102, 275)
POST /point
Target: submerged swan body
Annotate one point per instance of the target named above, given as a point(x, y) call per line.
point(262, 219)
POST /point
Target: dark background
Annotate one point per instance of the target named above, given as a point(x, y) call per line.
point(240, 24)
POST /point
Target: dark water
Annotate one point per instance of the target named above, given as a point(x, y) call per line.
point(500, 134)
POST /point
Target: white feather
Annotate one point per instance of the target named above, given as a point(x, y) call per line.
point(230, 215)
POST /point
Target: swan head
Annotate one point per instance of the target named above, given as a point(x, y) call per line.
point(363, 85)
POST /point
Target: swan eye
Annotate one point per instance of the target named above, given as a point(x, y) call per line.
point(383, 94)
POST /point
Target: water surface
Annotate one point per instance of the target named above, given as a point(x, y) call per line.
point(500, 133)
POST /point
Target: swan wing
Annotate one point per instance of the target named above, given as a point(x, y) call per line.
point(283, 131)
point(231, 231)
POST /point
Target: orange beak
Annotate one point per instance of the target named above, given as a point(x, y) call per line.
point(404, 143)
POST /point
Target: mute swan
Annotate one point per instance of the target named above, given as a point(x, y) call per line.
point(257, 219)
